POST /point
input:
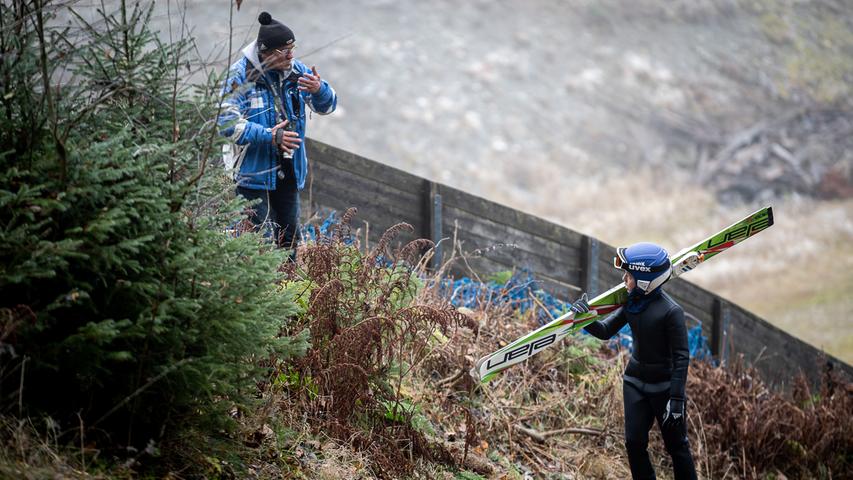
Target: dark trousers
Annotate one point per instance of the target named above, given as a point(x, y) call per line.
point(641, 410)
point(278, 212)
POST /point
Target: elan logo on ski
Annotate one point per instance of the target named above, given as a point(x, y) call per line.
point(524, 351)
point(525, 347)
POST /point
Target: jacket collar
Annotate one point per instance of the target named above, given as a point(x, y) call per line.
point(250, 51)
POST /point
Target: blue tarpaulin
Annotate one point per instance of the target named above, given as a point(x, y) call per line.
point(311, 233)
point(518, 292)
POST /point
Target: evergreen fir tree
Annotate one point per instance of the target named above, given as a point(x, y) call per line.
point(124, 304)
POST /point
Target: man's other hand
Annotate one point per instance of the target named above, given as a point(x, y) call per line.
point(284, 139)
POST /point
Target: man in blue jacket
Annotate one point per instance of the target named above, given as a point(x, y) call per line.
point(264, 113)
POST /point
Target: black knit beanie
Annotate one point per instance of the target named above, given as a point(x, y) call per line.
point(273, 34)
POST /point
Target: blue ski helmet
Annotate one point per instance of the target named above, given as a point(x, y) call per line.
point(647, 262)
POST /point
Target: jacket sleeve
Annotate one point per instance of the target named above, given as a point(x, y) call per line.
point(608, 327)
point(677, 337)
point(325, 100)
point(232, 119)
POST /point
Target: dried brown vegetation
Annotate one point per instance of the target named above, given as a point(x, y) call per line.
point(551, 414)
point(559, 412)
point(368, 330)
point(562, 412)
point(749, 430)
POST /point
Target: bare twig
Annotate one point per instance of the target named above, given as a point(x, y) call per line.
point(542, 306)
point(141, 389)
point(744, 138)
point(21, 388)
point(542, 437)
point(451, 379)
point(792, 162)
point(322, 47)
point(51, 104)
point(82, 442)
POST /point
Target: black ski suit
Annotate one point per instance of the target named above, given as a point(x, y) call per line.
point(656, 372)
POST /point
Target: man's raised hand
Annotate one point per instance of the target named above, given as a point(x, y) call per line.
point(310, 82)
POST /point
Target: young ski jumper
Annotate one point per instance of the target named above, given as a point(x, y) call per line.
point(654, 381)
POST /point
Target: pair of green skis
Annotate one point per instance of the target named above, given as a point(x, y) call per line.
point(610, 301)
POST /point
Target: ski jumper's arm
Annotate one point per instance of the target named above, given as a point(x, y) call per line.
point(604, 329)
point(676, 333)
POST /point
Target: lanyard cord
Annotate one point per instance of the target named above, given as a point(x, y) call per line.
point(294, 102)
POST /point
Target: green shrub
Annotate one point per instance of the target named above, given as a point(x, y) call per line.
point(125, 308)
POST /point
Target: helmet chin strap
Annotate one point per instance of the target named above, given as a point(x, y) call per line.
point(645, 287)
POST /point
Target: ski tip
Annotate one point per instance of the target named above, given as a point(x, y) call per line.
point(770, 215)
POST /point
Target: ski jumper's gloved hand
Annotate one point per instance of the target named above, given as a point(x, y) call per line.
point(675, 413)
point(581, 305)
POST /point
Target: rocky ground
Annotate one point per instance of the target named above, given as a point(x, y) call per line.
point(646, 120)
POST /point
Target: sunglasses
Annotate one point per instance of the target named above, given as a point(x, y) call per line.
point(285, 51)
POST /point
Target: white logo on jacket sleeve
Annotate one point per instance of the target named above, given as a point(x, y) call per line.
point(257, 102)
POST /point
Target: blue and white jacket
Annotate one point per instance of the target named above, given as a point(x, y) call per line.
point(248, 115)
